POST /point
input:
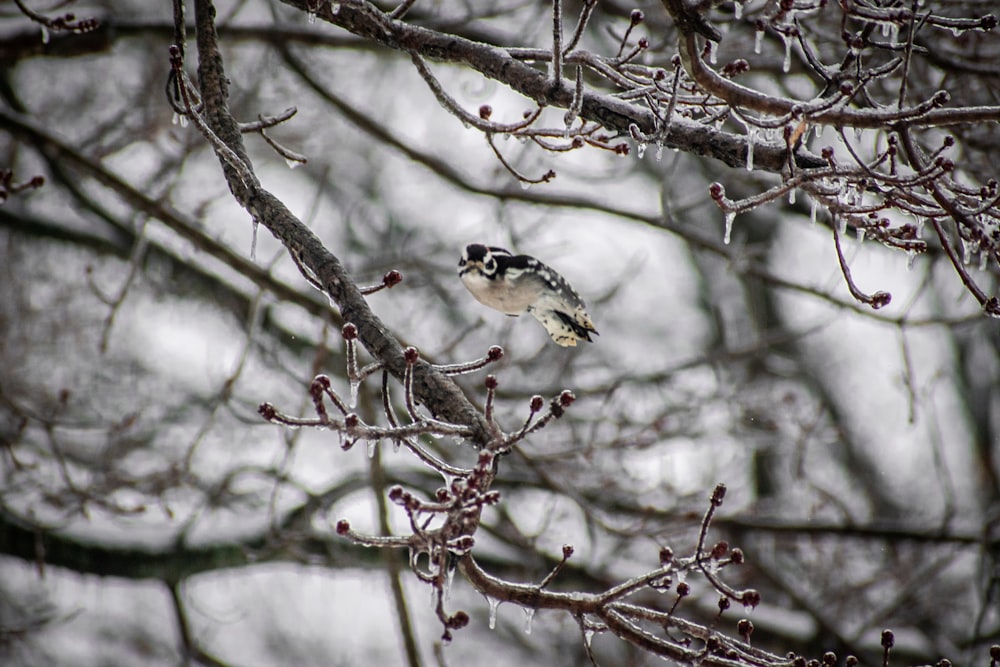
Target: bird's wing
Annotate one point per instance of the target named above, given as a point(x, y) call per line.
point(528, 273)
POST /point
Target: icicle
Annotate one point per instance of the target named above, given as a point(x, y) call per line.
point(787, 64)
point(910, 256)
point(448, 579)
point(751, 140)
point(791, 196)
point(293, 164)
point(730, 216)
point(713, 52)
point(448, 480)
point(311, 17)
point(738, 10)
point(371, 448)
point(640, 149)
point(758, 40)
point(659, 152)
point(812, 212)
point(395, 446)
point(494, 605)
point(354, 394)
point(45, 35)
point(984, 258)
point(966, 251)
point(861, 234)
point(253, 242)
point(588, 634)
point(842, 224)
point(529, 615)
point(841, 186)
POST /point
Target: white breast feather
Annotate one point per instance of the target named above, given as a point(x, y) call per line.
point(498, 296)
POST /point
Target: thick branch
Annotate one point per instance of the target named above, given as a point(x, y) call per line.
point(365, 20)
point(171, 564)
point(435, 390)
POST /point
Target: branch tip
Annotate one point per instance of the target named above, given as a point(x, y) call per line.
point(718, 494)
point(566, 398)
point(750, 598)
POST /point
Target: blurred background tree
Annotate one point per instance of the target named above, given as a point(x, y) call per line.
point(782, 216)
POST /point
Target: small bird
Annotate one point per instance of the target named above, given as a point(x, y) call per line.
point(514, 284)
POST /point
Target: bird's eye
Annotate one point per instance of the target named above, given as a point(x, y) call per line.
point(491, 264)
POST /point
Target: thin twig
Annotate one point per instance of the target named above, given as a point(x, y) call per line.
point(585, 11)
point(876, 300)
point(557, 50)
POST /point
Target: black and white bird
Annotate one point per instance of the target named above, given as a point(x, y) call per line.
point(515, 284)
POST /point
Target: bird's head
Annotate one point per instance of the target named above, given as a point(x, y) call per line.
point(481, 259)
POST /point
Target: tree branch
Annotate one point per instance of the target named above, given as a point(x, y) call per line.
point(617, 115)
point(435, 390)
point(737, 95)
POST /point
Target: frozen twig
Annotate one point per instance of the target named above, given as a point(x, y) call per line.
point(494, 354)
point(876, 300)
point(67, 22)
point(389, 280)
